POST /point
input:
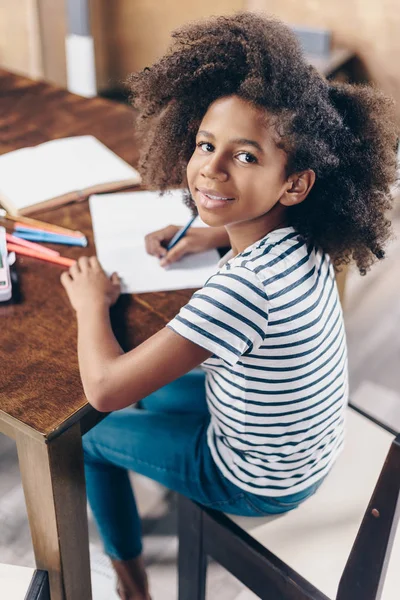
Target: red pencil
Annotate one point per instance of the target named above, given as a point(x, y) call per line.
point(58, 260)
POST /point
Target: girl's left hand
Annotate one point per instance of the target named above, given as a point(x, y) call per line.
point(87, 285)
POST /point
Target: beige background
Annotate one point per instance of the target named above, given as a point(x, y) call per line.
point(19, 37)
point(130, 34)
point(369, 27)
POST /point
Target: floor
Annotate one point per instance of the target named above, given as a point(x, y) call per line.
point(372, 313)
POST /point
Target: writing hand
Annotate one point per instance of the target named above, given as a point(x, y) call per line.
point(197, 239)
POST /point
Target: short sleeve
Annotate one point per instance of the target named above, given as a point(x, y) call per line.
point(228, 316)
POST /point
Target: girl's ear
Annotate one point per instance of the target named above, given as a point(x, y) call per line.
point(298, 187)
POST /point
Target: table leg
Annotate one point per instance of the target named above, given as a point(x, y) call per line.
point(54, 487)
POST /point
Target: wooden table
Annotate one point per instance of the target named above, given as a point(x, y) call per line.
point(42, 405)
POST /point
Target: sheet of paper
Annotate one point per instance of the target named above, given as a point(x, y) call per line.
point(120, 222)
point(32, 175)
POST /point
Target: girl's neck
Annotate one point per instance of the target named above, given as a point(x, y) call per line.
point(244, 234)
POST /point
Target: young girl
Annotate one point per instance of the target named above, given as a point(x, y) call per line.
point(293, 173)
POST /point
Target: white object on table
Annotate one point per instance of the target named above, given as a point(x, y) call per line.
point(38, 174)
point(120, 223)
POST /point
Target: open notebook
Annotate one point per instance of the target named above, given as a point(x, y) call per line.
point(120, 223)
point(60, 171)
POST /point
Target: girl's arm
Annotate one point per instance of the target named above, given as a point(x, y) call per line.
point(111, 378)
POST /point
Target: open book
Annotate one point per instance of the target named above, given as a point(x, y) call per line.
point(60, 171)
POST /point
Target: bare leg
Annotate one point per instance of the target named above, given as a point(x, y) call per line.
point(132, 579)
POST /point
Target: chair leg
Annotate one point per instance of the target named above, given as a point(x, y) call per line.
point(192, 562)
point(365, 571)
point(39, 588)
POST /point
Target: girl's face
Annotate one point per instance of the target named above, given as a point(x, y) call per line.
point(236, 173)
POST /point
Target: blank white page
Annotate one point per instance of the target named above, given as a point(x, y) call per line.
point(32, 175)
point(120, 223)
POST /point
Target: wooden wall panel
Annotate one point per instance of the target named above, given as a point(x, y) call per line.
point(52, 19)
point(20, 48)
point(369, 27)
point(133, 33)
point(130, 34)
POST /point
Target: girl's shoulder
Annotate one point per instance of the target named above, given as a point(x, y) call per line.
point(280, 260)
point(276, 249)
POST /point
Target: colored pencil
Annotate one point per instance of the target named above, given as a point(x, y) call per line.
point(40, 224)
point(59, 260)
point(15, 240)
point(22, 228)
point(49, 237)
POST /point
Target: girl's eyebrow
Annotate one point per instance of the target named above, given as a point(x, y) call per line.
point(245, 141)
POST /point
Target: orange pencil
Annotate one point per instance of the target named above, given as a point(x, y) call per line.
point(58, 260)
point(50, 229)
point(20, 220)
point(32, 245)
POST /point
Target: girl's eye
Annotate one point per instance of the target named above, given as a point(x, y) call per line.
point(205, 146)
point(246, 157)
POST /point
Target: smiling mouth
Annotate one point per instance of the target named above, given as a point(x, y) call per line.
point(208, 200)
point(213, 196)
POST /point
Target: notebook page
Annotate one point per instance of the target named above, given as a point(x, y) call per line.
point(120, 222)
point(32, 175)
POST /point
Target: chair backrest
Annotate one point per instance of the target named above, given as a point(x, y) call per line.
point(316, 539)
point(369, 559)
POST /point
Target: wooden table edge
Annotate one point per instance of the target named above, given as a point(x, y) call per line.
point(86, 415)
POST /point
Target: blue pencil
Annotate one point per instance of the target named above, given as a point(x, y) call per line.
point(50, 238)
point(179, 234)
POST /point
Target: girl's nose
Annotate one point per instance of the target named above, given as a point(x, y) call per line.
point(214, 168)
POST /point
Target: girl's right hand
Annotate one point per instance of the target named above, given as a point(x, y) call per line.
point(197, 239)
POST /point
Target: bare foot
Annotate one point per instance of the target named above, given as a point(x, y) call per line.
point(132, 579)
point(125, 594)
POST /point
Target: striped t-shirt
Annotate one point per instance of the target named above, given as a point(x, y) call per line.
point(276, 383)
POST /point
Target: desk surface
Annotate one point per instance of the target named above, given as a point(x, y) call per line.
point(40, 382)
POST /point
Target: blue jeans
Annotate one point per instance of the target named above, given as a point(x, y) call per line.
point(166, 441)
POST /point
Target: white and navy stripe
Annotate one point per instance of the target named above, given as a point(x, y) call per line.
point(276, 383)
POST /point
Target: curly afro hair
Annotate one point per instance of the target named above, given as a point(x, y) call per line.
point(345, 133)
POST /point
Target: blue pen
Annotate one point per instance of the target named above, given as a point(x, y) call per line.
point(50, 238)
point(179, 234)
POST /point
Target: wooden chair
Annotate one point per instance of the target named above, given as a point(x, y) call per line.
point(23, 583)
point(336, 545)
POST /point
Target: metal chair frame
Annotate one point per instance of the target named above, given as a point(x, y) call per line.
point(39, 588)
